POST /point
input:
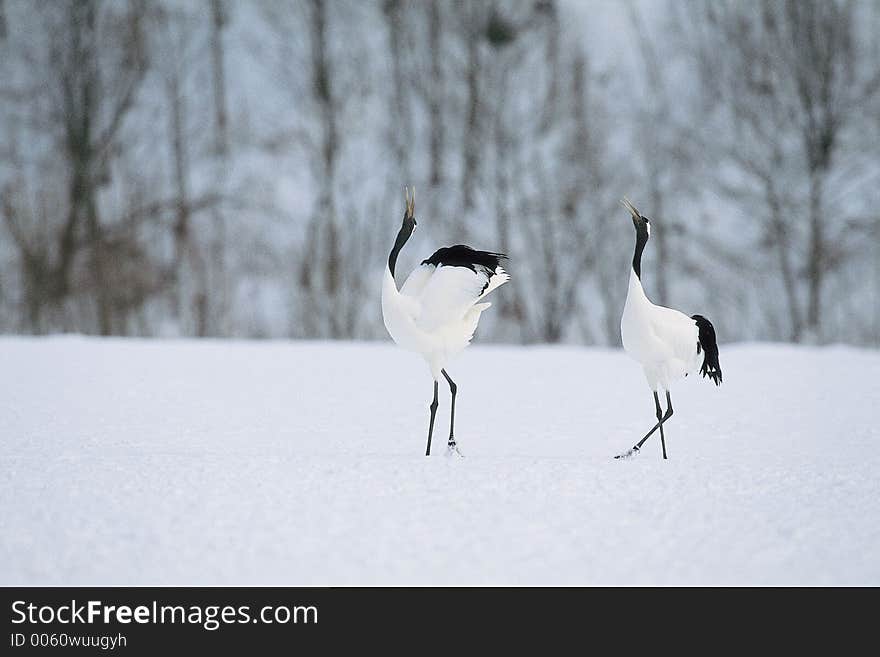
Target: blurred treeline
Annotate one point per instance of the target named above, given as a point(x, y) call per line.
point(236, 168)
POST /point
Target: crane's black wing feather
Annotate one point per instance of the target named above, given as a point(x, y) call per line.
point(461, 255)
point(708, 343)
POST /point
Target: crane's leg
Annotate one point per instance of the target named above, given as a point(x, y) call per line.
point(635, 448)
point(452, 389)
point(433, 408)
point(660, 422)
point(666, 416)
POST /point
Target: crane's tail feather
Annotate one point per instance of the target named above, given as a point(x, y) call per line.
point(708, 343)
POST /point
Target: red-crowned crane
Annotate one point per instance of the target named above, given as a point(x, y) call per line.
point(668, 344)
point(438, 308)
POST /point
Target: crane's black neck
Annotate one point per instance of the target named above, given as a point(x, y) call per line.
point(641, 240)
point(405, 231)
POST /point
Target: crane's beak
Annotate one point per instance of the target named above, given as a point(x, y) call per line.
point(625, 202)
point(410, 203)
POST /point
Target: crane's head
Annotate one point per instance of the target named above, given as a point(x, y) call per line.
point(409, 215)
point(641, 223)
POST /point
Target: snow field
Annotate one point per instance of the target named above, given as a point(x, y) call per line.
point(212, 462)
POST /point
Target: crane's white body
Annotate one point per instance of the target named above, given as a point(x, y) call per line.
point(437, 310)
point(663, 340)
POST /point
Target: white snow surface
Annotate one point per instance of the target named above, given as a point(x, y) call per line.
point(211, 462)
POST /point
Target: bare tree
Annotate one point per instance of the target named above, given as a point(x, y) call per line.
point(245, 178)
point(97, 61)
point(785, 81)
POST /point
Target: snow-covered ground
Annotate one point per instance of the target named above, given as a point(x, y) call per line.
point(159, 462)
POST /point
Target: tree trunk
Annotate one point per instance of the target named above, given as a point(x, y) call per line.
point(218, 69)
point(509, 304)
point(551, 60)
point(190, 296)
point(221, 153)
point(435, 25)
point(4, 29)
point(399, 127)
point(328, 247)
point(782, 244)
point(99, 264)
point(661, 238)
point(815, 265)
point(84, 99)
point(471, 144)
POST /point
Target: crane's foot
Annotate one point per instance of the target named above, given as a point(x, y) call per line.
point(452, 449)
point(628, 453)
